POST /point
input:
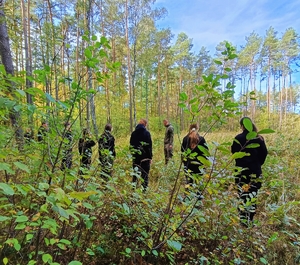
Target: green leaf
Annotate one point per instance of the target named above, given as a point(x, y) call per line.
point(6, 167)
point(47, 68)
point(183, 96)
point(5, 261)
point(20, 226)
point(21, 219)
point(88, 205)
point(273, 237)
point(21, 92)
point(218, 62)
point(174, 245)
point(126, 208)
point(65, 241)
point(46, 258)
point(80, 195)
point(88, 53)
point(22, 166)
point(239, 155)
point(266, 131)
point(4, 218)
point(29, 237)
point(263, 260)
point(253, 145)
point(43, 186)
point(75, 262)
point(7, 189)
point(17, 246)
point(94, 38)
point(248, 124)
point(251, 135)
point(155, 253)
point(49, 97)
point(128, 250)
point(204, 161)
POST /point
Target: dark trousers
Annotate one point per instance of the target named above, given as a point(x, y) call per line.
point(85, 163)
point(168, 153)
point(248, 185)
point(106, 163)
point(143, 168)
point(66, 161)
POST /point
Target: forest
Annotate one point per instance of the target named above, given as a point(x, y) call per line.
point(91, 62)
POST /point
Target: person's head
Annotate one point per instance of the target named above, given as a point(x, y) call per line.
point(85, 132)
point(108, 127)
point(166, 122)
point(143, 122)
point(193, 135)
point(67, 125)
point(247, 120)
point(45, 124)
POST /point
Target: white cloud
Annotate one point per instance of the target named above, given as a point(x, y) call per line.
point(210, 22)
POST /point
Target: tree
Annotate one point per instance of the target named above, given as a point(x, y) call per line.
point(249, 59)
point(7, 61)
point(269, 56)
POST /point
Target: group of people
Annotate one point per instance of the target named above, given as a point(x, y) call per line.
point(194, 150)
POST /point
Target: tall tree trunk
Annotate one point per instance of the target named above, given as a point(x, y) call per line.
point(27, 47)
point(7, 61)
point(158, 89)
point(129, 67)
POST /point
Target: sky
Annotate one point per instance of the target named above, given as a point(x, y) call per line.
point(210, 22)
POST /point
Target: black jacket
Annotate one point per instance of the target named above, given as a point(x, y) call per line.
point(140, 144)
point(257, 155)
point(85, 147)
point(191, 161)
point(107, 141)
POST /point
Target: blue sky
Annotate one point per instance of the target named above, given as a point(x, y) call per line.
point(210, 22)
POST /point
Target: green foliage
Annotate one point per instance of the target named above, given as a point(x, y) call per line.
point(55, 217)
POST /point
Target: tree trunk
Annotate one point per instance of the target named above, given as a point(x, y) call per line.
point(7, 61)
point(129, 67)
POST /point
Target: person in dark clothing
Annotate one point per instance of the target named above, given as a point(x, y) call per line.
point(193, 147)
point(67, 148)
point(28, 135)
point(107, 152)
point(168, 141)
point(42, 132)
point(141, 150)
point(85, 149)
point(249, 172)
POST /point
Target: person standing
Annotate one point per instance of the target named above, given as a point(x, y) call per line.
point(141, 150)
point(249, 172)
point(67, 147)
point(42, 132)
point(107, 152)
point(193, 146)
point(168, 141)
point(85, 149)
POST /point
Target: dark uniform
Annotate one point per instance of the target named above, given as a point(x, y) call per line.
point(85, 150)
point(168, 142)
point(141, 149)
point(190, 161)
point(249, 178)
point(67, 150)
point(107, 153)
